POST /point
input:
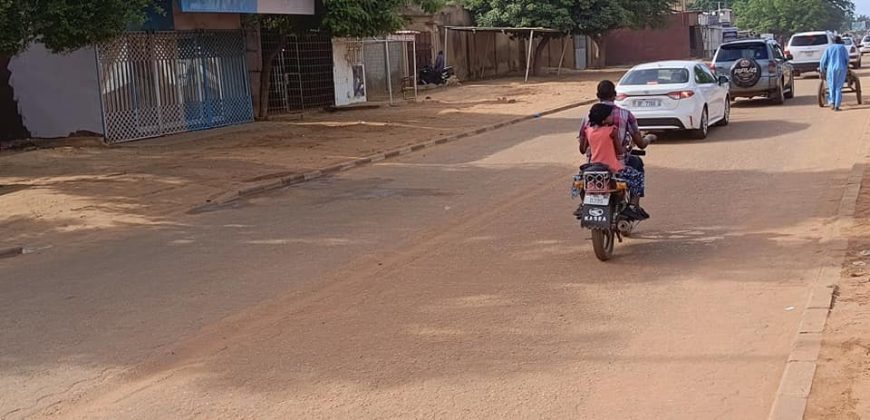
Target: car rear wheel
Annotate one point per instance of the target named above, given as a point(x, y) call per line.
point(778, 95)
point(790, 93)
point(701, 132)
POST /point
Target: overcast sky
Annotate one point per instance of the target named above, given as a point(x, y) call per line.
point(863, 7)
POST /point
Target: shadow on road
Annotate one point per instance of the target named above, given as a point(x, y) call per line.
point(740, 131)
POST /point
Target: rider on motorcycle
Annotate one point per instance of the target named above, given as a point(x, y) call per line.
point(628, 134)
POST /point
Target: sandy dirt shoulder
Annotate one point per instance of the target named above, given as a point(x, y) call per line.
point(841, 389)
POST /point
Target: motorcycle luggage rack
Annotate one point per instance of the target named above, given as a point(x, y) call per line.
point(597, 182)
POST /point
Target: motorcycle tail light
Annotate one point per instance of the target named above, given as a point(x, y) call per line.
point(579, 185)
point(683, 94)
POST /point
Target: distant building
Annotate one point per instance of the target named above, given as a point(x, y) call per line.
point(185, 69)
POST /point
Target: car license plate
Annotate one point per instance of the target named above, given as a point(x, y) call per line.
point(647, 103)
point(597, 199)
point(807, 53)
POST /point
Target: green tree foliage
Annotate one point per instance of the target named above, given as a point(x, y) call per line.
point(786, 17)
point(65, 25)
point(593, 18)
point(710, 5)
point(585, 17)
point(363, 18)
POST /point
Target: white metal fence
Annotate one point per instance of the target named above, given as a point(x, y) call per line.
point(391, 68)
point(154, 84)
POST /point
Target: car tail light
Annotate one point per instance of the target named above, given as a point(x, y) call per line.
point(787, 53)
point(621, 97)
point(771, 67)
point(683, 94)
point(712, 67)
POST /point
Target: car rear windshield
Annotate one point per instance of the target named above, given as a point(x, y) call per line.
point(656, 77)
point(847, 41)
point(809, 40)
point(739, 51)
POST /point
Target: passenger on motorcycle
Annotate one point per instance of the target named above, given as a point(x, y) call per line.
point(626, 124)
point(604, 144)
point(627, 133)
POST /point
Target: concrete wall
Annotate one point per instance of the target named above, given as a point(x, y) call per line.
point(433, 24)
point(625, 47)
point(482, 55)
point(56, 103)
point(346, 56)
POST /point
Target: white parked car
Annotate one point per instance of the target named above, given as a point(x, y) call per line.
point(806, 50)
point(676, 96)
point(865, 45)
point(854, 54)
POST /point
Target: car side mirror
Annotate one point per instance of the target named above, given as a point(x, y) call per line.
point(724, 80)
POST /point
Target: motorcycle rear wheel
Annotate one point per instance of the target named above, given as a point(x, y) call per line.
point(602, 242)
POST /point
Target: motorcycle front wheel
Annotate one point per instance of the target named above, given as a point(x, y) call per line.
point(602, 242)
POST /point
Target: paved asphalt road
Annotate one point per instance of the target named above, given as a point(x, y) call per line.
point(453, 283)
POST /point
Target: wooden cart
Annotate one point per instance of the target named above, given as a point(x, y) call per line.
point(853, 85)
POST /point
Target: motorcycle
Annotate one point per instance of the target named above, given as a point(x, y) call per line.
point(605, 199)
point(429, 76)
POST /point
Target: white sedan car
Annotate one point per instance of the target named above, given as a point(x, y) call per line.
point(676, 95)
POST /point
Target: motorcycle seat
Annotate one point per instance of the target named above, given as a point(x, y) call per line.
point(595, 167)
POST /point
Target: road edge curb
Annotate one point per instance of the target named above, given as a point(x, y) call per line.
point(792, 396)
point(231, 197)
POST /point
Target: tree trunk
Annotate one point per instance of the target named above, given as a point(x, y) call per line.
point(266, 77)
point(545, 41)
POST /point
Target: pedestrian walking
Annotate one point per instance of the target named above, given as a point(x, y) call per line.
point(834, 67)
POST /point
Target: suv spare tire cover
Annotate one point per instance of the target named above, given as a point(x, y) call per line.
point(746, 72)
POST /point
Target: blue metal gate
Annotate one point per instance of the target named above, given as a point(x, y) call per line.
point(153, 84)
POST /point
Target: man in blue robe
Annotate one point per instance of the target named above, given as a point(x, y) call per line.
point(834, 66)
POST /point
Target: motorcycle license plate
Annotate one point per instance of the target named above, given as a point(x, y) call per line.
point(597, 199)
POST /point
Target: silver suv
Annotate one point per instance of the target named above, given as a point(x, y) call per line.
point(757, 67)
